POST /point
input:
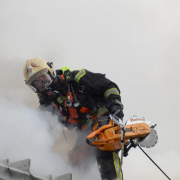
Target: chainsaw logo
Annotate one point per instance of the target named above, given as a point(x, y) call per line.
point(137, 119)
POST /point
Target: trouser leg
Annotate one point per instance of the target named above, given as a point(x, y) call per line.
point(109, 165)
point(82, 157)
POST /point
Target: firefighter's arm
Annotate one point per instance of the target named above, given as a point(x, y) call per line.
point(113, 101)
point(98, 84)
point(48, 105)
point(45, 104)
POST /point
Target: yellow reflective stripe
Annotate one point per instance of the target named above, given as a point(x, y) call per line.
point(79, 75)
point(101, 111)
point(115, 163)
point(121, 176)
point(111, 91)
point(117, 166)
point(60, 99)
point(65, 68)
point(120, 103)
point(89, 121)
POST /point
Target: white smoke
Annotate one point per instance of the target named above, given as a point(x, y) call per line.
point(136, 43)
point(25, 134)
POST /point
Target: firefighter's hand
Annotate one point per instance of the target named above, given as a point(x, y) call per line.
point(52, 95)
point(114, 109)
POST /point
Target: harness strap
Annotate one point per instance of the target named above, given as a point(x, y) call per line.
point(72, 121)
point(84, 110)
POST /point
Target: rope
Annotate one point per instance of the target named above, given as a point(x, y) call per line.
point(154, 162)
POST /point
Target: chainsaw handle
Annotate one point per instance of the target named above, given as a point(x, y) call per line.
point(117, 121)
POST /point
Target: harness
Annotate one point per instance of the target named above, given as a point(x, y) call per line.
point(70, 105)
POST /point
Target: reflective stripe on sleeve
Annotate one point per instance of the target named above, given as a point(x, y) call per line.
point(120, 103)
point(111, 91)
point(116, 160)
point(79, 75)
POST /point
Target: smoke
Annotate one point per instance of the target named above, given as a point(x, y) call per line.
point(29, 133)
point(25, 133)
point(136, 43)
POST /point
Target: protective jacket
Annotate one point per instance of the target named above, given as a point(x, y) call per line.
point(90, 95)
point(82, 96)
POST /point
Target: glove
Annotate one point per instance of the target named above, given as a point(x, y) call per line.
point(52, 95)
point(114, 108)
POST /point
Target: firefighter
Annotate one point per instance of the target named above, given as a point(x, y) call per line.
point(80, 96)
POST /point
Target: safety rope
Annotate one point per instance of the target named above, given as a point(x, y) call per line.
point(153, 162)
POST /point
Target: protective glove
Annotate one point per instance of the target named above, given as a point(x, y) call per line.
point(52, 95)
point(114, 108)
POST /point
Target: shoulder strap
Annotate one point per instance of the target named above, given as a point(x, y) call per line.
point(93, 105)
point(65, 68)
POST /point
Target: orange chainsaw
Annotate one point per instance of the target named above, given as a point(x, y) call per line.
point(109, 133)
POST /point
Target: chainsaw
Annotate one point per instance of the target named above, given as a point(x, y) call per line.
point(110, 134)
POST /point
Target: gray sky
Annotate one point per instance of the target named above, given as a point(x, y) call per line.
point(135, 43)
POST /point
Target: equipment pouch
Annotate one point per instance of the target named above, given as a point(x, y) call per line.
point(68, 76)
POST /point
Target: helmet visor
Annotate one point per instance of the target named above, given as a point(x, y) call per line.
point(41, 82)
